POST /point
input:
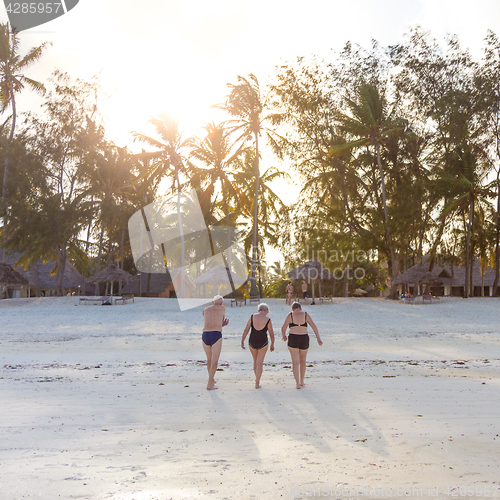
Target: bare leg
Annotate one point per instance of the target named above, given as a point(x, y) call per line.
point(295, 353)
point(213, 353)
point(254, 356)
point(258, 362)
point(302, 355)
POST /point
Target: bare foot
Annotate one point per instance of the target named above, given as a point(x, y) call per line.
point(302, 384)
point(258, 386)
point(211, 387)
point(298, 387)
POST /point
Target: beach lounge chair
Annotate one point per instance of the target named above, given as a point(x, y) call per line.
point(430, 298)
point(124, 298)
point(255, 299)
point(326, 299)
point(238, 301)
point(408, 300)
point(91, 300)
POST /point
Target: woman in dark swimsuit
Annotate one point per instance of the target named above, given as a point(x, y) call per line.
point(259, 324)
point(298, 340)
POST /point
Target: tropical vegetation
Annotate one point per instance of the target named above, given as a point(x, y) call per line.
point(396, 150)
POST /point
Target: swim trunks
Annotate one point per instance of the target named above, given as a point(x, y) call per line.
point(304, 294)
point(258, 338)
point(298, 341)
point(210, 338)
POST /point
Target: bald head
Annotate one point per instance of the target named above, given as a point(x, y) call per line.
point(218, 300)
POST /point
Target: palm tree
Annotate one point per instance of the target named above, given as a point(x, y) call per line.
point(110, 180)
point(270, 207)
point(169, 160)
point(46, 229)
point(466, 186)
point(246, 105)
point(218, 155)
point(371, 123)
point(12, 81)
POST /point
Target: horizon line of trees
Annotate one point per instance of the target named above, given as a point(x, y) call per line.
point(397, 150)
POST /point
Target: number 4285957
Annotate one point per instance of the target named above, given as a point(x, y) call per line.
point(34, 8)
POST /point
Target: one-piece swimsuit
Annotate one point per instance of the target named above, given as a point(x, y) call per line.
point(258, 338)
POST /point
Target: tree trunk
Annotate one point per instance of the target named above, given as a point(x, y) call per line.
point(61, 266)
point(253, 286)
point(467, 250)
point(122, 244)
point(99, 253)
point(497, 239)
point(432, 253)
point(260, 275)
point(229, 251)
point(386, 217)
point(6, 175)
point(346, 283)
point(377, 288)
point(181, 231)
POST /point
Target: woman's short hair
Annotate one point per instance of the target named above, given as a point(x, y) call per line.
point(263, 307)
point(296, 305)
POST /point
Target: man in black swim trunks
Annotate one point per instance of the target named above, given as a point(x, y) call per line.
point(304, 291)
point(212, 336)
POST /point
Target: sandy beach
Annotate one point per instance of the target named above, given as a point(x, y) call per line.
point(110, 403)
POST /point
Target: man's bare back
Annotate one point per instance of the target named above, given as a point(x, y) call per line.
point(214, 317)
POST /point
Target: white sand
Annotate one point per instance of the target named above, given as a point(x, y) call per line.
point(110, 403)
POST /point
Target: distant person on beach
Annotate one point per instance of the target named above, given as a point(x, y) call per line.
point(289, 293)
point(212, 336)
point(298, 340)
point(259, 324)
point(304, 291)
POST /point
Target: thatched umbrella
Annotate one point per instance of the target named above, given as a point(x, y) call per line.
point(417, 274)
point(109, 275)
point(312, 270)
point(9, 276)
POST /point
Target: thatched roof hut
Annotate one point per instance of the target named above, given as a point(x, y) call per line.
point(109, 274)
point(417, 274)
point(9, 276)
point(160, 284)
point(41, 279)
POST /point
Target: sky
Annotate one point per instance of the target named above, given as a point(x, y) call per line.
point(179, 55)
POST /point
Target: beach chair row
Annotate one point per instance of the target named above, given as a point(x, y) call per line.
point(425, 298)
point(107, 299)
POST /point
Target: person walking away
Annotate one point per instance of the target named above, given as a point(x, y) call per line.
point(214, 320)
point(298, 340)
point(258, 325)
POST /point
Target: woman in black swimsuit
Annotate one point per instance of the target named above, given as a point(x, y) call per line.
point(298, 340)
point(258, 342)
